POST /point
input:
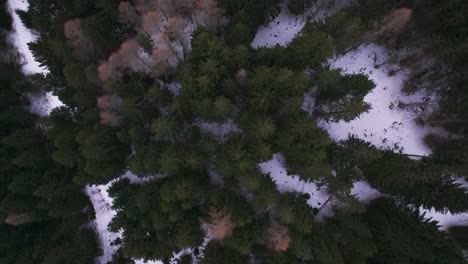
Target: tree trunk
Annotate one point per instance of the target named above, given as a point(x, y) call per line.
point(447, 121)
point(318, 9)
point(144, 62)
point(409, 105)
point(331, 113)
point(164, 13)
point(351, 48)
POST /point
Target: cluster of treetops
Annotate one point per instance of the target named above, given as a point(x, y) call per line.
point(118, 118)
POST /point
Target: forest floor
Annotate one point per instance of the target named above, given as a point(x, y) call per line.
point(385, 125)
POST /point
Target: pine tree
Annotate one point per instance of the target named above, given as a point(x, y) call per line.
point(418, 240)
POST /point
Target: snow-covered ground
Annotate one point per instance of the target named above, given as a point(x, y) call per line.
point(22, 36)
point(219, 130)
point(364, 192)
point(102, 204)
point(385, 125)
point(285, 26)
point(281, 30)
point(320, 198)
point(41, 104)
point(446, 220)
point(292, 183)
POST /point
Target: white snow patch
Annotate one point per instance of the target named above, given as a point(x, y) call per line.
point(21, 36)
point(140, 261)
point(44, 103)
point(219, 130)
point(102, 203)
point(40, 104)
point(285, 26)
point(308, 105)
point(446, 220)
point(138, 180)
point(280, 31)
point(385, 125)
point(292, 183)
point(177, 255)
point(462, 182)
point(190, 251)
point(364, 192)
point(174, 88)
point(361, 190)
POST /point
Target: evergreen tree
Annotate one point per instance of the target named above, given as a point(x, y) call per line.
point(402, 235)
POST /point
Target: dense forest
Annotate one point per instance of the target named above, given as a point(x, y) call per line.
point(143, 80)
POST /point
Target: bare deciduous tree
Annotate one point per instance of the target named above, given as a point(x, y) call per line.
point(127, 14)
point(175, 31)
point(18, 219)
point(162, 42)
point(278, 237)
point(175, 28)
point(130, 51)
point(109, 118)
point(164, 61)
point(220, 225)
point(209, 14)
point(144, 6)
point(82, 47)
point(185, 7)
point(151, 22)
point(108, 102)
point(166, 7)
point(395, 22)
point(110, 70)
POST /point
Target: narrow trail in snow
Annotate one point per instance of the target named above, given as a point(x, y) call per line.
point(41, 104)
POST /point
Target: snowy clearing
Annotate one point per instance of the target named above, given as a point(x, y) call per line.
point(280, 30)
point(285, 26)
point(385, 125)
